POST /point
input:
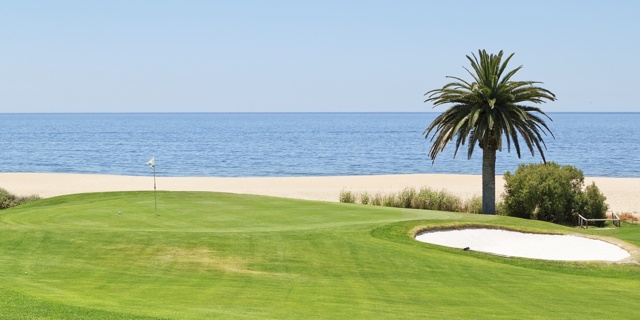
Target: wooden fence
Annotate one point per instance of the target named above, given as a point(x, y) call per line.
point(584, 222)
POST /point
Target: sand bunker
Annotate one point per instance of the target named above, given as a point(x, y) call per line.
point(526, 245)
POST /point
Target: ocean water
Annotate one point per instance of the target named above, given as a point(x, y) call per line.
point(291, 144)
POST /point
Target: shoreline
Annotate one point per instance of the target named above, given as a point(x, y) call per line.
point(622, 193)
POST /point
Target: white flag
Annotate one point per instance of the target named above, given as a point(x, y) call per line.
point(152, 163)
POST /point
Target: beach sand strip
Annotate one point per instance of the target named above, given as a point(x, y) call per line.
point(623, 194)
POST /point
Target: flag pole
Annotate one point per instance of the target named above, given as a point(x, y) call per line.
point(155, 195)
point(152, 165)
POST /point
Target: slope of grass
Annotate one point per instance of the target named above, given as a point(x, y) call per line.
point(213, 255)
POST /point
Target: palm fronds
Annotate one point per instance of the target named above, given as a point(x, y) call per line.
point(488, 108)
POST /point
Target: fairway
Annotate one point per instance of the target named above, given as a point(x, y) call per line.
point(215, 255)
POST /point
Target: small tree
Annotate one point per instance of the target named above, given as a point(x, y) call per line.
point(550, 192)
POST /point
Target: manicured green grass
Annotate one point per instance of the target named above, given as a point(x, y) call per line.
point(213, 255)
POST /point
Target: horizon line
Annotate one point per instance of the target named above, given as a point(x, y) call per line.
point(295, 112)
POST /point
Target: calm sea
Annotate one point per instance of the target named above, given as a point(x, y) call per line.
point(290, 144)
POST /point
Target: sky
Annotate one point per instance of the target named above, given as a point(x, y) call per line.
point(306, 56)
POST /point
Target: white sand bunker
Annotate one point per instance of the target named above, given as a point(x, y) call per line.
point(526, 245)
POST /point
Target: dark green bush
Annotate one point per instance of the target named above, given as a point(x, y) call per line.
point(501, 209)
point(8, 199)
point(593, 204)
point(549, 192)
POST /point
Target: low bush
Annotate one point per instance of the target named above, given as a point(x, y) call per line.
point(8, 199)
point(551, 192)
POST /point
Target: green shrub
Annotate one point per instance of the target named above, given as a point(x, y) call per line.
point(593, 204)
point(8, 199)
point(548, 192)
point(501, 209)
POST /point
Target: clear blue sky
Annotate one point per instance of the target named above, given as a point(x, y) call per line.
point(305, 56)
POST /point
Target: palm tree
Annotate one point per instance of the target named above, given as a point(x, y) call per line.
point(485, 111)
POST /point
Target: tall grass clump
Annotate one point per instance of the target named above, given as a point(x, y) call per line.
point(8, 199)
point(442, 200)
point(474, 205)
point(377, 199)
point(406, 198)
point(365, 198)
point(389, 200)
point(347, 197)
point(628, 217)
point(425, 198)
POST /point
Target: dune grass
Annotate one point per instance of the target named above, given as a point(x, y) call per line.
point(424, 198)
point(215, 255)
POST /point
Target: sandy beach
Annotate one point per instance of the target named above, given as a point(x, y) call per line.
point(623, 194)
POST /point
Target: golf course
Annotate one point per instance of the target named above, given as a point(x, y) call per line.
point(208, 255)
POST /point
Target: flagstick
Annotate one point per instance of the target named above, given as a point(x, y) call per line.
point(152, 165)
point(155, 196)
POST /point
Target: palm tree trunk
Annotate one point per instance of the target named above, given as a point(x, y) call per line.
point(488, 180)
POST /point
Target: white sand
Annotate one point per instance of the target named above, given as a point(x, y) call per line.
point(527, 245)
point(623, 194)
